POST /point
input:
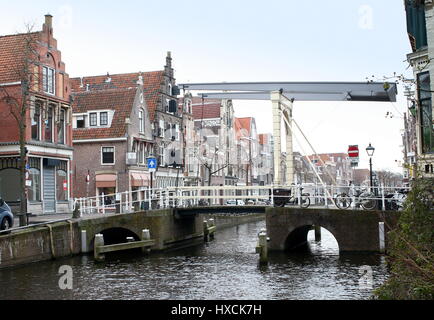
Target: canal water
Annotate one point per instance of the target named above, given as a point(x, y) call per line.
point(226, 268)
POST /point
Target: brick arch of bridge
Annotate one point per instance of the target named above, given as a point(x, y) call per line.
point(354, 230)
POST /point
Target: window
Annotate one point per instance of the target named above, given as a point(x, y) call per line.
point(141, 124)
point(61, 127)
point(34, 190)
point(36, 122)
point(49, 125)
point(161, 157)
point(93, 119)
point(61, 185)
point(169, 89)
point(425, 105)
point(103, 118)
point(80, 122)
point(162, 128)
point(48, 79)
point(10, 184)
point(108, 155)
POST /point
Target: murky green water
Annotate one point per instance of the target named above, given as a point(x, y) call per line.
point(226, 268)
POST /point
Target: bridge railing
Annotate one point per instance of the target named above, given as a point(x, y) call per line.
point(182, 197)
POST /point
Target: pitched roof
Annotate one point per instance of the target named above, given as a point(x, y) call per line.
point(12, 54)
point(152, 82)
point(244, 125)
point(119, 100)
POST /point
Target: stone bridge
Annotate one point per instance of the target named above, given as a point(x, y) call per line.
point(354, 230)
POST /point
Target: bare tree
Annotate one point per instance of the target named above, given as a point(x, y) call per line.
point(24, 69)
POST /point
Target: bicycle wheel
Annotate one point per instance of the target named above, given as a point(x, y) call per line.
point(367, 201)
point(343, 201)
point(305, 201)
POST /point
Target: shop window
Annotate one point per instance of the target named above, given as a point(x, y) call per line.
point(10, 184)
point(61, 182)
point(34, 190)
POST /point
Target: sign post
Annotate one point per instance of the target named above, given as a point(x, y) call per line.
point(353, 153)
point(152, 166)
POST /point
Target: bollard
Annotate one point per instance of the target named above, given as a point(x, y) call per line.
point(84, 241)
point(146, 235)
point(381, 236)
point(205, 230)
point(317, 233)
point(211, 224)
point(262, 247)
point(99, 241)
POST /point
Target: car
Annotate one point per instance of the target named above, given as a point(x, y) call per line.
point(231, 202)
point(240, 202)
point(6, 216)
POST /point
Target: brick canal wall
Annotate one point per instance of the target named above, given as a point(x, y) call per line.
point(65, 238)
point(39, 243)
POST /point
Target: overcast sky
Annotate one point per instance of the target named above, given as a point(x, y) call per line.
point(214, 41)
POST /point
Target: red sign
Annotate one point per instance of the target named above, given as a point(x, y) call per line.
point(353, 151)
point(65, 185)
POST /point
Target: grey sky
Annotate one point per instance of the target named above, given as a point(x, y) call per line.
point(213, 41)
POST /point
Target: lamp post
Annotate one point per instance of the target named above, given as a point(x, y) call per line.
point(370, 151)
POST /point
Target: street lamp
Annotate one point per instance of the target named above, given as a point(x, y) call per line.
point(370, 151)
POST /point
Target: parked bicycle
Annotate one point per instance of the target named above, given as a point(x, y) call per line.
point(285, 196)
point(366, 199)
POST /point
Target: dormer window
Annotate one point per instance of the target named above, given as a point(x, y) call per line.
point(80, 122)
point(48, 80)
point(93, 119)
point(103, 118)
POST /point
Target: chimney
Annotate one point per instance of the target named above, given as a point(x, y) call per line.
point(47, 27)
point(49, 20)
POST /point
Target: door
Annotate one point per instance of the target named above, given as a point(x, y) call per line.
point(49, 189)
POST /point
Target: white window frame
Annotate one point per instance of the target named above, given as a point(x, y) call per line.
point(99, 117)
point(141, 122)
point(114, 156)
point(90, 119)
point(45, 80)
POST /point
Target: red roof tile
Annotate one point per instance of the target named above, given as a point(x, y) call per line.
point(152, 82)
point(12, 54)
point(119, 100)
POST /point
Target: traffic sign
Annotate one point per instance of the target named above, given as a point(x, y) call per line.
point(152, 164)
point(353, 151)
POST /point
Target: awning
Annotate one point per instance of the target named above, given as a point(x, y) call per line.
point(106, 180)
point(140, 179)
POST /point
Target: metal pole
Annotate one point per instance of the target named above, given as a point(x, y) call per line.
point(370, 172)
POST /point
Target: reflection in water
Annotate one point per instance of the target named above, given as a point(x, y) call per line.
point(226, 268)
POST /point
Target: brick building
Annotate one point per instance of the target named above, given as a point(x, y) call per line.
point(112, 139)
point(31, 69)
point(160, 93)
